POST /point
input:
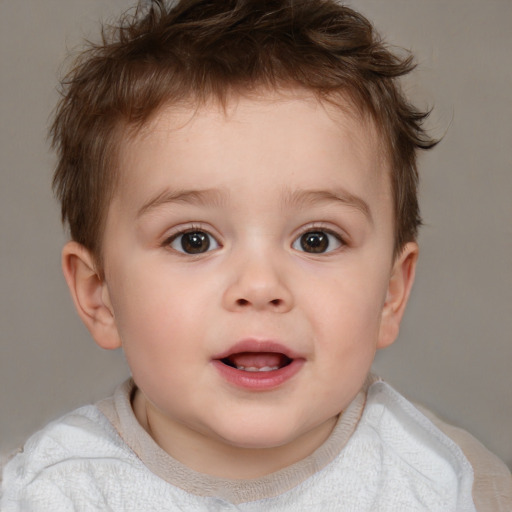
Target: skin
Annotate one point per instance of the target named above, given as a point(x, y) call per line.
point(253, 179)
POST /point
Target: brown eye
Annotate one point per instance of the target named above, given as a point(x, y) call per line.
point(314, 242)
point(193, 242)
point(317, 242)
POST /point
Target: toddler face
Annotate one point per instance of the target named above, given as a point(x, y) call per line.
point(249, 270)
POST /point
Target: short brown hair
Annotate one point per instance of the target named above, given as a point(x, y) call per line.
point(204, 49)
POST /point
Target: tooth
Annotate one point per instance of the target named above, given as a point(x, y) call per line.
point(254, 369)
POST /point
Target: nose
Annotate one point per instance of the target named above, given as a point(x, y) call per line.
point(257, 284)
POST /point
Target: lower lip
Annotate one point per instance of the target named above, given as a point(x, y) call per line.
point(258, 381)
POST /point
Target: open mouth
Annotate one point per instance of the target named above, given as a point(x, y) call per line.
point(258, 365)
point(257, 361)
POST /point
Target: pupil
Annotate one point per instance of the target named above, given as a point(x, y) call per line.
point(315, 241)
point(195, 242)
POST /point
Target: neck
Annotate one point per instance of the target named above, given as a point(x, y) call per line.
point(216, 457)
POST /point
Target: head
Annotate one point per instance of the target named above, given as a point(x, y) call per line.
point(243, 209)
point(199, 51)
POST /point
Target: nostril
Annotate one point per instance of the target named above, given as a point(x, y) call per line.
point(245, 302)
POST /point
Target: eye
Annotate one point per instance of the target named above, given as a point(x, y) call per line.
point(317, 242)
point(193, 242)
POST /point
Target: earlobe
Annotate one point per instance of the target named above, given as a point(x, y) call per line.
point(90, 295)
point(399, 289)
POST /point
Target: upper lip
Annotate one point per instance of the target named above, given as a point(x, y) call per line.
point(257, 346)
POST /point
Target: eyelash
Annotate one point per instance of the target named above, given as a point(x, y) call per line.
point(319, 229)
point(298, 242)
point(169, 241)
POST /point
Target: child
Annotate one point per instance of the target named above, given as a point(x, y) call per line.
point(239, 179)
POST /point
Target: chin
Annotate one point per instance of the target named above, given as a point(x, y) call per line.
point(257, 436)
point(258, 442)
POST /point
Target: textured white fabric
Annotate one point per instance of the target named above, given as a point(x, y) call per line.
point(395, 460)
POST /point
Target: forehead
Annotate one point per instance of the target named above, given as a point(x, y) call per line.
point(292, 134)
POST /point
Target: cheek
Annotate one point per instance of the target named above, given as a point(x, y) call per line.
point(349, 307)
point(160, 345)
point(347, 329)
point(159, 312)
point(143, 308)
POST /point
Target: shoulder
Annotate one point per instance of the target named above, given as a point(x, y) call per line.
point(418, 437)
point(492, 487)
point(64, 450)
point(412, 458)
point(83, 433)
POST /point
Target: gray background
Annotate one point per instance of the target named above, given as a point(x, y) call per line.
point(454, 352)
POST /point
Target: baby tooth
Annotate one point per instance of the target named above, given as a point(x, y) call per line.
point(254, 369)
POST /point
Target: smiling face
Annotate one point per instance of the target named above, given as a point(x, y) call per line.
point(249, 274)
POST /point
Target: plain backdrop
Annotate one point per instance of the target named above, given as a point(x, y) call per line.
point(454, 353)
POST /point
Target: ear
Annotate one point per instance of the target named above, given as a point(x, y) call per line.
point(90, 295)
point(399, 289)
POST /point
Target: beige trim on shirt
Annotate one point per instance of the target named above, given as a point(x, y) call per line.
point(119, 411)
point(492, 488)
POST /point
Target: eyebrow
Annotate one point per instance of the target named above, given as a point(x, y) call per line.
point(215, 197)
point(304, 198)
point(207, 197)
